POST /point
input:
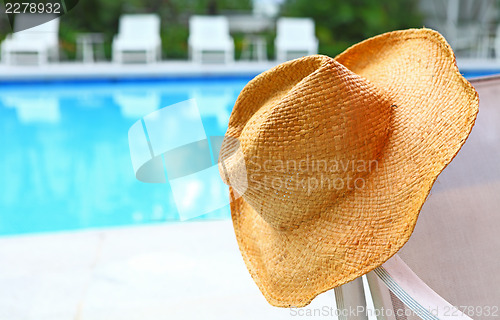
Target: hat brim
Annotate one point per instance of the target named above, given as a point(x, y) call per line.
point(434, 111)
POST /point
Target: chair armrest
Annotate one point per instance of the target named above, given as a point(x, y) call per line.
point(414, 293)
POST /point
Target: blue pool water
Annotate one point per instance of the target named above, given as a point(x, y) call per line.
point(479, 73)
point(65, 160)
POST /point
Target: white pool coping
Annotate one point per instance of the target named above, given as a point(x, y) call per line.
point(190, 270)
point(166, 69)
point(108, 70)
point(478, 64)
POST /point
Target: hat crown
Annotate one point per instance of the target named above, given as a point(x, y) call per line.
point(307, 144)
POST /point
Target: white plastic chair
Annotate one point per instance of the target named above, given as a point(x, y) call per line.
point(295, 38)
point(40, 40)
point(209, 36)
point(138, 35)
point(449, 268)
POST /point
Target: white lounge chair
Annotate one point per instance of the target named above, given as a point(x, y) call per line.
point(448, 270)
point(40, 40)
point(138, 37)
point(295, 38)
point(209, 37)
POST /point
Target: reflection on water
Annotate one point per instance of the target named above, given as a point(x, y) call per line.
point(65, 161)
point(34, 107)
point(171, 143)
point(137, 103)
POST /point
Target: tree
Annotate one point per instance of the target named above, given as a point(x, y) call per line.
point(342, 23)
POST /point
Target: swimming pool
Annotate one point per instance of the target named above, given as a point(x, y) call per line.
point(65, 161)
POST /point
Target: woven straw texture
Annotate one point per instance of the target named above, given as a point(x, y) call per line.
point(340, 155)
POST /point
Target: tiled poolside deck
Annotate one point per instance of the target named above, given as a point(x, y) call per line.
point(170, 271)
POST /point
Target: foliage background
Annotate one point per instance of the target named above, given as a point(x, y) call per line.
point(339, 23)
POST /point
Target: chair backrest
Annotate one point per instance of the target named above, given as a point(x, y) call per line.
point(208, 28)
point(292, 29)
point(455, 248)
point(497, 43)
point(139, 26)
point(47, 30)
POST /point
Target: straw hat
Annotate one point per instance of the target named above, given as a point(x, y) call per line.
point(330, 160)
